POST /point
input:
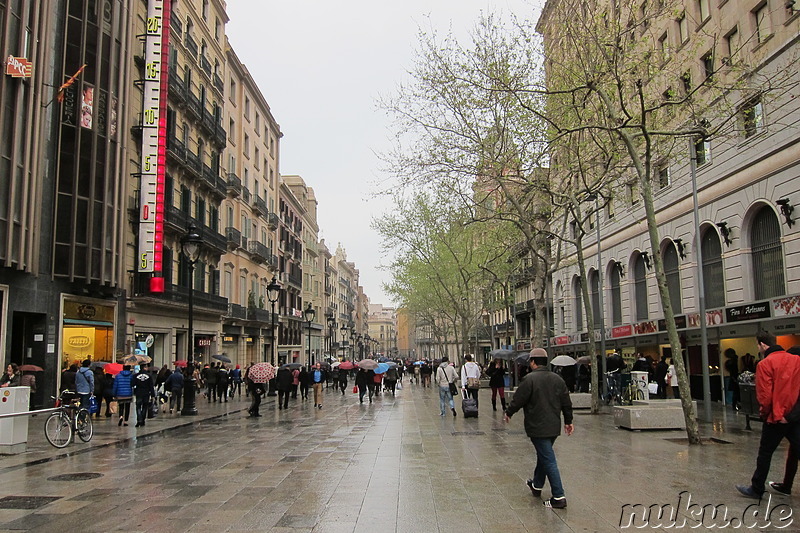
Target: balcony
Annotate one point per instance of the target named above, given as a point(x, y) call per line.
point(220, 190)
point(237, 311)
point(220, 136)
point(234, 237)
point(234, 185)
point(209, 177)
point(205, 65)
point(258, 315)
point(260, 206)
point(191, 46)
point(177, 87)
point(298, 227)
point(175, 219)
point(272, 221)
point(207, 124)
point(212, 239)
point(296, 279)
point(176, 151)
point(246, 195)
point(272, 261)
point(193, 164)
point(218, 84)
point(193, 107)
point(258, 252)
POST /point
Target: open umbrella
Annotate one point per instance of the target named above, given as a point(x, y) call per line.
point(112, 368)
point(32, 368)
point(391, 364)
point(346, 365)
point(583, 360)
point(180, 363)
point(368, 364)
point(136, 359)
point(381, 368)
point(221, 357)
point(502, 353)
point(336, 364)
point(562, 360)
point(383, 359)
point(522, 358)
point(292, 366)
point(261, 372)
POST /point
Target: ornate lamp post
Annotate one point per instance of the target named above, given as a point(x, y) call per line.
point(273, 294)
point(331, 325)
point(309, 315)
point(191, 243)
point(344, 329)
point(353, 337)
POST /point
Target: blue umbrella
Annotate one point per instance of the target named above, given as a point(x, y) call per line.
point(392, 364)
point(382, 367)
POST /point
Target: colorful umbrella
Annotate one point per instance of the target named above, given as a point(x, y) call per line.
point(112, 368)
point(346, 365)
point(181, 363)
point(261, 372)
point(367, 364)
point(31, 368)
point(381, 368)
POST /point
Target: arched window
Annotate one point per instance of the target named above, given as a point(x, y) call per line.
point(672, 271)
point(577, 303)
point(594, 291)
point(767, 252)
point(640, 287)
point(616, 297)
point(561, 316)
point(713, 276)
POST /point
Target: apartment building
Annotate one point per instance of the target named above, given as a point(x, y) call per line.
point(747, 190)
point(383, 328)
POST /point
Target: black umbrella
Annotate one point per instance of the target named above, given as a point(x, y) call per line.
point(292, 366)
point(221, 357)
point(502, 353)
point(523, 358)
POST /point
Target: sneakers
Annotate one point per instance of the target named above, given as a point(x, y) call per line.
point(780, 487)
point(536, 492)
point(556, 503)
point(454, 411)
point(747, 490)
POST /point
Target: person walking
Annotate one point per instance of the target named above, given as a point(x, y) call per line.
point(255, 390)
point(305, 382)
point(99, 387)
point(210, 375)
point(660, 375)
point(445, 378)
point(497, 382)
point(471, 377)
point(377, 379)
point(790, 470)
point(318, 378)
point(108, 395)
point(295, 382)
point(84, 383)
point(672, 380)
point(777, 391)
point(284, 385)
point(544, 398)
point(123, 394)
point(174, 386)
point(236, 382)
point(390, 379)
point(343, 380)
point(28, 379)
point(363, 380)
point(145, 392)
point(222, 383)
point(732, 368)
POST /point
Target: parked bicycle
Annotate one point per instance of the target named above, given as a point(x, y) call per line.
point(614, 394)
point(632, 392)
point(68, 420)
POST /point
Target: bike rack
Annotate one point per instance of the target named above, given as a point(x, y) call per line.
point(32, 413)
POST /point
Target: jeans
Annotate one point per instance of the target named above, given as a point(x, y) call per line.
point(362, 390)
point(142, 408)
point(445, 399)
point(175, 399)
point(84, 400)
point(546, 466)
point(771, 437)
point(283, 399)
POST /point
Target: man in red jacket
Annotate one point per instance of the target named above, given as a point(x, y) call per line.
point(777, 390)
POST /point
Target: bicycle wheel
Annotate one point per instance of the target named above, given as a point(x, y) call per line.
point(58, 429)
point(639, 394)
point(83, 425)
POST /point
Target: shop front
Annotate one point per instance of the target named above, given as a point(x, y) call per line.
point(157, 345)
point(87, 331)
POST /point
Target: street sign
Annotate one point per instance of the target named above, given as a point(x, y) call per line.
point(18, 67)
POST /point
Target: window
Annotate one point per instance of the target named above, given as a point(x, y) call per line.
point(217, 28)
point(683, 28)
point(643, 17)
point(713, 276)
point(752, 114)
point(761, 17)
point(205, 10)
point(232, 92)
point(663, 46)
point(247, 107)
point(702, 152)
point(640, 287)
point(634, 195)
point(232, 131)
point(246, 146)
point(578, 303)
point(616, 297)
point(673, 274)
point(704, 10)
point(707, 62)
point(662, 177)
point(767, 255)
point(272, 147)
point(243, 289)
point(258, 124)
point(686, 82)
point(732, 45)
point(594, 294)
point(610, 209)
point(257, 158)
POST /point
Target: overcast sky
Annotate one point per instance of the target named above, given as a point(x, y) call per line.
point(321, 66)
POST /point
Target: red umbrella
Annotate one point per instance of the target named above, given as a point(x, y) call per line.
point(261, 372)
point(346, 365)
point(112, 368)
point(181, 363)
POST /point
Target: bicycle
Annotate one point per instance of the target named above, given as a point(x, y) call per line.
point(631, 393)
point(68, 420)
point(614, 393)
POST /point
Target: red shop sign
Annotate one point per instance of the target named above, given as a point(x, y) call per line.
point(18, 67)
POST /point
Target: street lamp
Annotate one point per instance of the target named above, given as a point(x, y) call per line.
point(273, 293)
point(353, 337)
point(360, 346)
point(331, 324)
point(344, 329)
point(190, 246)
point(596, 199)
point(309, 314)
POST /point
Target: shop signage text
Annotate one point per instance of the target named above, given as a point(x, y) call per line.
point(18, 67)
point(747, 312)
point(621, 331)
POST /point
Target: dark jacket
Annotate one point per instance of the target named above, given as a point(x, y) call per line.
point(323, 377)
point(305, 378)
point(222, 377)
point(68, 380)
point(496, 379)
point(143, 385)
point(362, 378)
point(544, 397)
point(285, 379)
point(123, 385)
point(210, 375)
point(236, 375)
point(174, 382)
point(99, 383)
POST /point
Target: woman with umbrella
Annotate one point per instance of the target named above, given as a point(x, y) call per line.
point(497, 382)
point(364, 384)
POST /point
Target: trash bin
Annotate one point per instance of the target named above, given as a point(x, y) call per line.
point(14, 430)
point(640, 378)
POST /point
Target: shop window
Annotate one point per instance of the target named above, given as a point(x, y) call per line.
point(616, 297)
point(594, 294)
point(672, 272)
point(640, 288)
point(767, 255)
point(713, 274)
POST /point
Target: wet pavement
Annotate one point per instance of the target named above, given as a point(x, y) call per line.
point(393, 465)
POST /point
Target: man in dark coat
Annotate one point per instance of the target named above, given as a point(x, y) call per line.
point(145, 392)
point(544, 397)
point(284, 384)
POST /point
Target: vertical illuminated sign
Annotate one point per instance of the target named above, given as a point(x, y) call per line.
point(154, 138)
